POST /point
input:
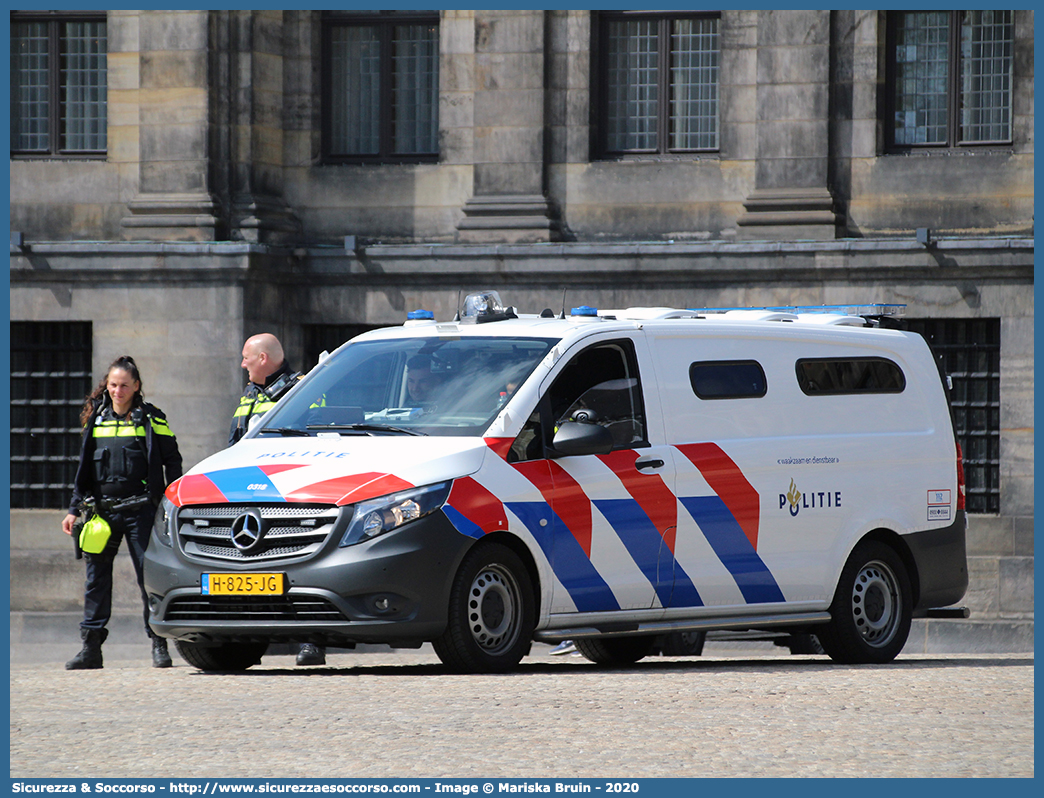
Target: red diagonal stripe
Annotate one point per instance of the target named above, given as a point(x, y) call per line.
point(726, 479)
point(649, 490)
point(478, 505)
point(195, 489)
point(501, 446)
point(349, 489)
point(565, 496)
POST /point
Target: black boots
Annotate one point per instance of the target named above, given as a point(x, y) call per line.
point(90, 656)
point(160, 655)
point(311, 654)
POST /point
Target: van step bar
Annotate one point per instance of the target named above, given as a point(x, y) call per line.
point(662, 627)
point(947, 612)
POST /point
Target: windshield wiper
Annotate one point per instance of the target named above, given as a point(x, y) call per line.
point(285, 431)
point(365, 428)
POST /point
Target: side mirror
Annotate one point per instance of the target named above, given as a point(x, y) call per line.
point(574, 438)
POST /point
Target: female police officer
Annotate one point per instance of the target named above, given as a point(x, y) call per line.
point(128, 451)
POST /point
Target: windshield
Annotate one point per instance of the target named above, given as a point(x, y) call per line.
point(425, 386)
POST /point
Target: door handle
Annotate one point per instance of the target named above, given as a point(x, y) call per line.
point(643, 464)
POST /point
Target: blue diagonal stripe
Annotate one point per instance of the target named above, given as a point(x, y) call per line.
point(235, 484)
point(571, 565)
point(462, 524)
point(734, 549)
point(640, 537)
point(684, 593)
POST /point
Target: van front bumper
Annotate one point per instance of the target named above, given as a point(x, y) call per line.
point(393, 589)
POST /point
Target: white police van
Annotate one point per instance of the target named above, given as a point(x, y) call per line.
point(608, 477)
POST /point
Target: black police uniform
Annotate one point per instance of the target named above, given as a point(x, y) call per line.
point(255, 402)
point(120, 457)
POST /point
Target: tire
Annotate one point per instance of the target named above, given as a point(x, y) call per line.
point(804, 643)
point(683, 644)
point(491, 613)
point(616, 650)
point(222, 657)
point(872, 607)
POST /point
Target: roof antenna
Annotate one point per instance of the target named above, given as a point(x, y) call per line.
point(563, 302)
point(456, 317)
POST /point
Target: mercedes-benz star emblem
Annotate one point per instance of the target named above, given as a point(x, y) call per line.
point(247, 530)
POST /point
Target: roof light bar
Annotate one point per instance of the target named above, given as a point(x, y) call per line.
point(873, 309)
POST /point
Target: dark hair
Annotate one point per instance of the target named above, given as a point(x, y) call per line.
point(422, 362)
point(99, 395)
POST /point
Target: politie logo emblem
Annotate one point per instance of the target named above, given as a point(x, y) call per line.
point(815, 500)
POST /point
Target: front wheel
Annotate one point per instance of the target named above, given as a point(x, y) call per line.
point(491, 613)
point(872, 607)
point(616, 650)
point(221, 657)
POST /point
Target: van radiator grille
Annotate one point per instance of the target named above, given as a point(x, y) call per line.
point(252, 609)
point(288, 531)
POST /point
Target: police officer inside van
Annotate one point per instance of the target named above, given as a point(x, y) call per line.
point(270, 376)
point(422, 382)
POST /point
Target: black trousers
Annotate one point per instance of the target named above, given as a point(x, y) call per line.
point(135, 527)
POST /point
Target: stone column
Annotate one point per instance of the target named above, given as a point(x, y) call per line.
point(254, 114)
point(791, 197)
point(174, 199)
point(509, 203)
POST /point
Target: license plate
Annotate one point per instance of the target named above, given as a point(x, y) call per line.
point(242, 584)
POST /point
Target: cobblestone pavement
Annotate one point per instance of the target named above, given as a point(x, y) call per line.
point(390, 713)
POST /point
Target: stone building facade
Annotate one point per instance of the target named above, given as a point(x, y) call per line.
point(225, 199)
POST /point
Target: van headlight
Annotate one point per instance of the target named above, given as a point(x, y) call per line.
point(161, 523)
point(377, 516)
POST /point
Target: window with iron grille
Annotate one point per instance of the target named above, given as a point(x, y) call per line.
point(327, 337)
point(950, 78)
point(658, 83)
point(381, 86)
point(59, 84)
point(969, 350)
point(50, 376)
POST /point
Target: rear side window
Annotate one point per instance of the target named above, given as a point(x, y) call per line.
point(850, 375)
point(727, 379)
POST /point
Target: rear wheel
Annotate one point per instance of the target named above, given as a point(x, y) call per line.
point(616, 650)
point(491, 613)
point(683, 644)
point(223, 656)
point(872, 607)
point(804, 643)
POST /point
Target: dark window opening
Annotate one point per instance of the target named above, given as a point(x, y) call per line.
point(969, 353)
point(727, 379)
point(319, 338)
point(831, 376)
point(50, 378)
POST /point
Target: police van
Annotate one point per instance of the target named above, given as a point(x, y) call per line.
point(606, 476)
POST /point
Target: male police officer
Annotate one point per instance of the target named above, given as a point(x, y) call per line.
point(265, 366)
point(267, 370)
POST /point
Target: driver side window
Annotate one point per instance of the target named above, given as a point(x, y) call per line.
point(601, 386)
point(598, 386)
